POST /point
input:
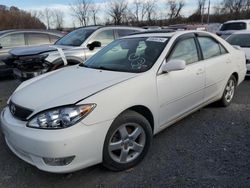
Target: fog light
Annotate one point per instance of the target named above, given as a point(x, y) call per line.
point(58, 161)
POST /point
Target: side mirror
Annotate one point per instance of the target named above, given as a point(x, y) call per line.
point(173, 65)
point(91, 46)
point(1, 46)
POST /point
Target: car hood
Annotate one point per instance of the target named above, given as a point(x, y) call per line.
point(34, 50)
point(65, 86)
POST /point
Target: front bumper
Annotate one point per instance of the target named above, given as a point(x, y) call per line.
point(25, 75)
point(32, 145)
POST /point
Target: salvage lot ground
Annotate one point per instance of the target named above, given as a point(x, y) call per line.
point(210, 148)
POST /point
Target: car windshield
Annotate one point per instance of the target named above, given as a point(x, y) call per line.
point(76, 37)
point(133, 55)
point(242, 40)
point(234, 26)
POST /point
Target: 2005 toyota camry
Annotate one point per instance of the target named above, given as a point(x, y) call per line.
point(107, 109)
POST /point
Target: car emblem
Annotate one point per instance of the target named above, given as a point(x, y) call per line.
point(13, 109)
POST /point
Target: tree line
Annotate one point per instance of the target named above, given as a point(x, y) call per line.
point(13, 18)
point(121, 12)
point(153, 12)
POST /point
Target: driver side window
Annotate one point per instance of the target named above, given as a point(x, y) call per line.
point(185, 50)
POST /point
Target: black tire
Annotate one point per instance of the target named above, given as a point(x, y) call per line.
point(124, 120)
point(224, 102)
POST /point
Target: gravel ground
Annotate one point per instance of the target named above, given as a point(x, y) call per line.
point(210, 148)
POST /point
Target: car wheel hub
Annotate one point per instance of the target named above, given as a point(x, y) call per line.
point(229, 90)
point(127, 143)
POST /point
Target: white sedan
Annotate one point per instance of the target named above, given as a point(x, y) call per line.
point(242, 39)
point(108, 109)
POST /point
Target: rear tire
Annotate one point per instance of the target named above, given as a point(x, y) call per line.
point(228, 93)
point(127, 141)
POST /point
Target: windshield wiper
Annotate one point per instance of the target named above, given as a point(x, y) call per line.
point(83, 65)
point(100, 67)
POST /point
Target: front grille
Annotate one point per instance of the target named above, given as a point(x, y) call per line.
point(19, 112)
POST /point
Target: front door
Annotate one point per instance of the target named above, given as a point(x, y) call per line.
point(181, 91)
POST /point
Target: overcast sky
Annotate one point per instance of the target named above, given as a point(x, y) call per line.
point(64, 6)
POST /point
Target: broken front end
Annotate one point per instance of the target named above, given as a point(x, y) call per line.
point(26, 67)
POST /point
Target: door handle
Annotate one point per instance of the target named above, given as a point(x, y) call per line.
point(228, 61)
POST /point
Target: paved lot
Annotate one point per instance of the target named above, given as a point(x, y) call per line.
point(210, 148)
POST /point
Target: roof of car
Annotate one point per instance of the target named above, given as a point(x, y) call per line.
point(2, 32)
point(241, 32)
point(161, 33)
point(94, 27)
point(154, 31)
point(232, 21)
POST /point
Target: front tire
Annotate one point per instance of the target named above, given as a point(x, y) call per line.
point(228, 93)
point(127, 141)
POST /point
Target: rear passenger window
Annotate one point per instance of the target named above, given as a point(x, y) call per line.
point(13, 40)
point(185, 50)
point(209, 47)
point(124, 32)
point(38, 38)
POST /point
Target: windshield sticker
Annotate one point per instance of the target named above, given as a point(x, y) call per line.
point(154, 39)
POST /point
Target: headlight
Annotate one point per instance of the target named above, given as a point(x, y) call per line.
point(43, 56)
point(59, 118)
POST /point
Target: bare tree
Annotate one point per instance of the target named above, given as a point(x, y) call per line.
point(36, 14)
point(81, 10)
point(117, 10)
point(200, 6)
point(58, 18)
point(175, 8)
point(150, 6)
point(139, 10)
point(47, 16)
point(235, 6)
point(94, 9)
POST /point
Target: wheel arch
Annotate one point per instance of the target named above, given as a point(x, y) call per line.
point(144, 111)
point(236, 75)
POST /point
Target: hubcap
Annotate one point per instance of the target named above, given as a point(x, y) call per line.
point(229, 94)
point(127, 143)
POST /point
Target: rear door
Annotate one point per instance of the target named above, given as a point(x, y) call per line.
point(217, 64)
point(181, 91)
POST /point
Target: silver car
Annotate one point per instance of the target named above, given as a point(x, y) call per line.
point(73, 48)
point(10, 39)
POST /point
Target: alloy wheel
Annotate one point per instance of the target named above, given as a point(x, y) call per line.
point(127, 143)
point(230, 89)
